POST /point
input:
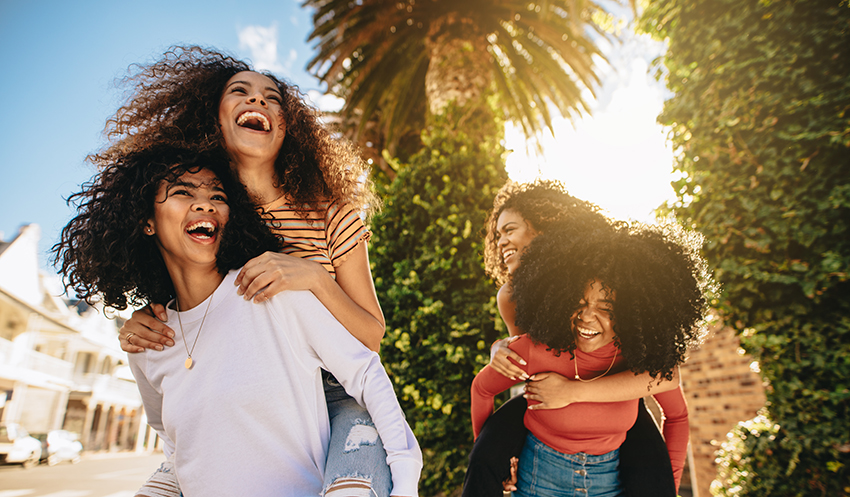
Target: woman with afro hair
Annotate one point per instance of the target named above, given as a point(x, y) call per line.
point(308, 183)
point(520, 212)
point(239, 401)
point(608, 301)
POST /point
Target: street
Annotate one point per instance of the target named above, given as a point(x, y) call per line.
point(114, 475)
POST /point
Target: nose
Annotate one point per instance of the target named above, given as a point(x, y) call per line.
point(503, 240)
point(204, 205)
point(586, 313)
point(258, 99)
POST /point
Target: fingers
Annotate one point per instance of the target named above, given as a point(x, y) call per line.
point(254, 284)
point(246, 278)
point(513, 355)
point(538, 377)
point(273, 273)
point(506, 368)
point(248, 266)
point(537, 398)
point(126, 346)
point(158, 311)
point(509, 485)
point(532, 392)
point(143, 331)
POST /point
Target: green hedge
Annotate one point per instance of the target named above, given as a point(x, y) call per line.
point(439, 305)
point(761, 124)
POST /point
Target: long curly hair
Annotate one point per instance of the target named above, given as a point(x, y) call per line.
point(174, 101)
point(546, 206)
point(103, 252)
point(659, 281)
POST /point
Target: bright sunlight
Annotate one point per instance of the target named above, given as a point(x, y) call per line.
point(618, 158)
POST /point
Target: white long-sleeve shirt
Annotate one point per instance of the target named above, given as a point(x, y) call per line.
point(250, 417)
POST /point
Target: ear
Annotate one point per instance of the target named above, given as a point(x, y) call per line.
point(149, 228)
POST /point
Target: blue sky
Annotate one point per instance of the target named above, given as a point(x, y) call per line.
point(60, 60)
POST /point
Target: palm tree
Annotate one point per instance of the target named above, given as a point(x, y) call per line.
point(395, 61)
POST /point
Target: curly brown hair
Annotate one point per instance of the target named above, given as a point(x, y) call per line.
point(545, 205)
point(660, 282)
point(103, 252)
point(174, 101)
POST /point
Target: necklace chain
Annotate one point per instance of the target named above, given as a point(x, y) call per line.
point(189, 361)
point(575, 363)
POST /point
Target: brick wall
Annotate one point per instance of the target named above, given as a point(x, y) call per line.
point(721, 390)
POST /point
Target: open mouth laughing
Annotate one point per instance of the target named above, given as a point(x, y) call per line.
point(254, 120)
point(586, 333)
point(202, 230)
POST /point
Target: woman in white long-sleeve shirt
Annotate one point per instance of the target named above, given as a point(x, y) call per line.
point(164, 226)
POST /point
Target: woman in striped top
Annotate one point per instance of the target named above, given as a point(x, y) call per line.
point(308, 185)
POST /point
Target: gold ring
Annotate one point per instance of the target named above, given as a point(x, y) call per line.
point(129, 335)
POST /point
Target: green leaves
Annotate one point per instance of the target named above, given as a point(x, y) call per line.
point(394, 60)
point(439, 305)
point(762, 98)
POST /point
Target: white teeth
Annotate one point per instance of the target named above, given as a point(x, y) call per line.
point(254, 115)
point(508, 253)
point(201, 224)
point(210, 227)
point(585, 333)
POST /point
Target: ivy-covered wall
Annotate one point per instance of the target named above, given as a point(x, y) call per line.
point(761, 123)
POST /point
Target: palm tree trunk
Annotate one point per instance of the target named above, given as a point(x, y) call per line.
point(459, 63)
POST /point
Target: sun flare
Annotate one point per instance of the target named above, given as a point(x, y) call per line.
point(618, 159)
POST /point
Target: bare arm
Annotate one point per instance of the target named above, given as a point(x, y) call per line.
point(351, 298)
point(499, 351)
point(555, 391)
point(353, 301)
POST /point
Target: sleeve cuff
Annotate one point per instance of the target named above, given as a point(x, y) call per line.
point(405, 474)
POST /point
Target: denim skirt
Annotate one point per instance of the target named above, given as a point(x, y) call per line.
point(545, 472)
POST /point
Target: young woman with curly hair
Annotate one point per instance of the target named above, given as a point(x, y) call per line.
point(309, 184)
point(614, 300)
point(520, 212)
point(239, 402)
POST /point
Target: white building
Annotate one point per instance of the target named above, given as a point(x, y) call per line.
point(61, 366)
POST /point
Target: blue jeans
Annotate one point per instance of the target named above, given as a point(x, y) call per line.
point(543, 471)
point(355, 450)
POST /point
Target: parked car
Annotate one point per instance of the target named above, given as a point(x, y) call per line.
point(60, 446)
point(17, 446)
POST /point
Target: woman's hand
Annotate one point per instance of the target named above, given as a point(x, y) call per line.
point(267, 275)
point(143, 330)
point(552, 390)
point(499, 355)
point(509, 485)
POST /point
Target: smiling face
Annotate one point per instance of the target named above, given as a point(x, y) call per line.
point(513, 235)
point(593, 322)
point(189, 215)
point(250, 114)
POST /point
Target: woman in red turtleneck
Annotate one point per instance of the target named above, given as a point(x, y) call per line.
point(609, 302)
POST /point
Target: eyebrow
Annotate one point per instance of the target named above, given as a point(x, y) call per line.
point(270, 88)
point(196, 186)
point(184, 183)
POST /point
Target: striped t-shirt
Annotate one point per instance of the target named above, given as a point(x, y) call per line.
point(327, 235)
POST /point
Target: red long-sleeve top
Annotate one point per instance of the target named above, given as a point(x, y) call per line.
point(590, 427)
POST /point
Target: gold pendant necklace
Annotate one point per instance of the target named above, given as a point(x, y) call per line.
point(189, 361)
point(575, 363)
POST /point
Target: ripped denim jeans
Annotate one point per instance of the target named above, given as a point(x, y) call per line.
point(357, 462)
point(162, 483)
